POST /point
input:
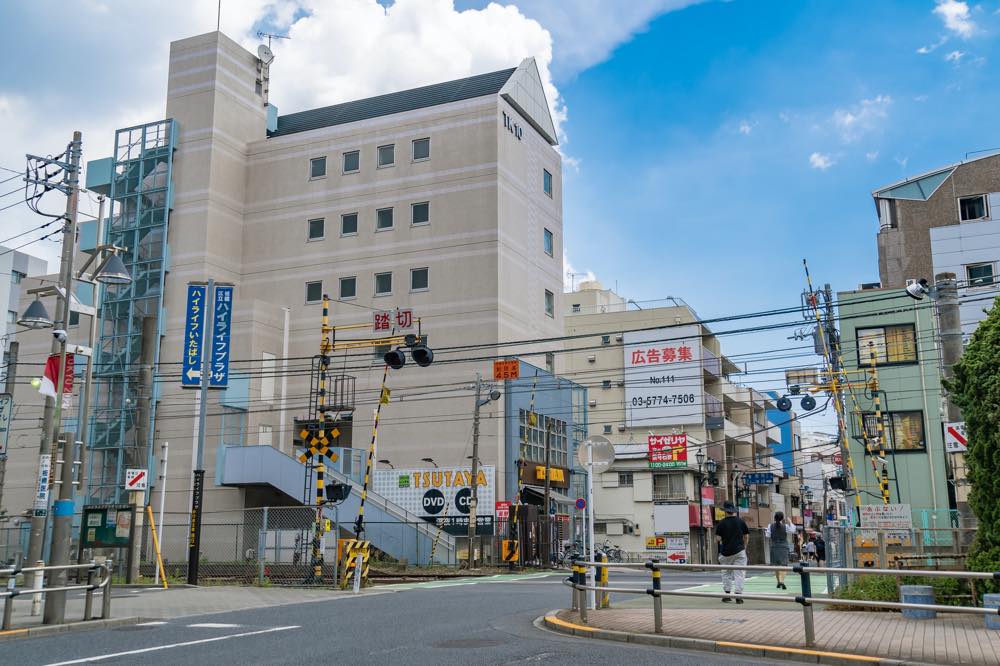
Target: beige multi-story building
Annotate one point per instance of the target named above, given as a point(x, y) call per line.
point(654, 374)
point(445, 199)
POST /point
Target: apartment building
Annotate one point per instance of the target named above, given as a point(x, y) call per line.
point(15, 266)
point(444, 199)
point(659, 389)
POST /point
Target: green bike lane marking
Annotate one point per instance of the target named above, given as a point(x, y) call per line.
point(457, 582)
point(766, 585)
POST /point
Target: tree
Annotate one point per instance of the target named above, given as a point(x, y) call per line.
point(975, 388)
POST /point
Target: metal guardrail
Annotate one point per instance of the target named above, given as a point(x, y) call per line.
point(11, 591)
point(578, 581)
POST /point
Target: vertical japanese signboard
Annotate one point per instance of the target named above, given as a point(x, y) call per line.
point(6, 410)
point(222, 314)
point(194, 335)
point(668, 451)
point(663, 378)
point(41, 506)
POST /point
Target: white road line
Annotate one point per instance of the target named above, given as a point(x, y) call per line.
point(157, 648)
point(213, 625)
point(150, 624)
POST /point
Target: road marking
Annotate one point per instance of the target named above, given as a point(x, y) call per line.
point(458, 582)
point(819, 653)
point(151, 624)
point(214, 625)
point(552, 619)
point(113, 655)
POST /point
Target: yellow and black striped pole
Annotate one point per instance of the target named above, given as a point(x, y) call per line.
point(879, 428)
point(515, 514)
point(359, 524)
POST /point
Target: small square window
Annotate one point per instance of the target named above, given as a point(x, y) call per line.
point(383, 219)
point(972, 208)
point(386, 155)
point(419, 280)
point(547, 182)
point(420, 213)
point(549, 243)
point(625, 479)
point(17, 276)
point(12, 316)
point(383, 284)
point(317, 167)
point(352, 161)
point(550, 303)
point(421, 149)
point(550, 363)
point(348, 287)
point(314, 292)
point(316, 229)
point(349, 224)
point(607, 429)
point(979, 275)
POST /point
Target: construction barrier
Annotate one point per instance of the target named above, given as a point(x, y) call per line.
point(355, 553)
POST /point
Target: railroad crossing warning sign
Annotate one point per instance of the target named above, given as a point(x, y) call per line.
point(356, 553)
point(510, 550)
point(136, 479)
point(955, 439)
point(508, 368)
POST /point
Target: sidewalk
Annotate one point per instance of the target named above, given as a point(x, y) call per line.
point(949, 639)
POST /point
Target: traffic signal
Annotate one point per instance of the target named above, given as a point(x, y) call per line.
point(423, 356)
point(395, 359)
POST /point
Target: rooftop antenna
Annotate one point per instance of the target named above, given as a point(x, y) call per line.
point(572, 279)
point(261, 35)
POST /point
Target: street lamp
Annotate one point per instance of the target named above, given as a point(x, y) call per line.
point(36, 316)
point(386, 462)
point(710, 466)
point(431, 461)
point(113, 271)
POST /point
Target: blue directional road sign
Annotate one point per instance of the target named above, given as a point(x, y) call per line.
point(758, 478)
point(194, 334)
point(222, 318)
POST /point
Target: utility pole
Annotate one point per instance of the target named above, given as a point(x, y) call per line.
point(62, 527)
point(474, 499)
point(197, 496)
point(8, 388)
point(950, 330)
point(545, 504)
point(51, 416)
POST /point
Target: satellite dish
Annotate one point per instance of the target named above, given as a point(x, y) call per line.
point(596, 452)
point(265, 54)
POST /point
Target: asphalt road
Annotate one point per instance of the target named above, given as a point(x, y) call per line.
point(481, 623)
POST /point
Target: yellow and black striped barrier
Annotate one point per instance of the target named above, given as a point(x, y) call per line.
point(356, 553)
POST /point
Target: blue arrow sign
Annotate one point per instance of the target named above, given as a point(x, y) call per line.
point(222, 317)
point(194, 334)
point(758, 478)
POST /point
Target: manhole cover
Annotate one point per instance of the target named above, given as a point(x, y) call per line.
point(467, 643)
point(729, 620)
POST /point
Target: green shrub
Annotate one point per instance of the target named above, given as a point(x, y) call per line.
point(947, 591)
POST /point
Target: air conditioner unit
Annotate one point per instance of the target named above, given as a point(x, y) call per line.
point(591, 359)
point(621, 427)
point(592, 403)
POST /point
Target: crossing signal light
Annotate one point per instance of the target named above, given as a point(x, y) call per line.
point(808, 403)
point(337, 492)
point(423, 356)
point(395, 359)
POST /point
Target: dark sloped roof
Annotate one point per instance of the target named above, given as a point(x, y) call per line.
point(397, 102)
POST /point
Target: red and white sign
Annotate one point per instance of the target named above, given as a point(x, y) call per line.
point(659, 365)
point(955, 439)
point(136, 479)
point(838, 459)
point(400, 319)
point(503, 510)
point(50, 379)
point(668, 450)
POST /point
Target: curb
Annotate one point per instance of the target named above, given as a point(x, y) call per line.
point(554, 623)
point(69, 627)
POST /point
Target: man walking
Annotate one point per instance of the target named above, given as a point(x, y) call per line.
point(732, 535)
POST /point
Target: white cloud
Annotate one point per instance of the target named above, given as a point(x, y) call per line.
point(573, 277)
point(954, 56)
point(924, 50)
point(863, 117)
point(746, 127)
point(871, 156)
point(956, 17)
point(902, 161)
point(821, 161)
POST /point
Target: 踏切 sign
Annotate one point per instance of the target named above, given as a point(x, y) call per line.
point(668, 451)
point(400, 319)
point(955, 439)
point(136, 479)
point(506, 368)
point(222, 316)
point(194, 335)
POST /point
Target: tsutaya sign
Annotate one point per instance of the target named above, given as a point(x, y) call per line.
point(663, 382)
point(441, 495)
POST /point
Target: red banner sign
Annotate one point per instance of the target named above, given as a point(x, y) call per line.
point(668, 450)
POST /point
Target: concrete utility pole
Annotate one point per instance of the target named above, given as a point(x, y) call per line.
point(51, 416)
point(62, 528)
point(8, 388)
point(198, 494)
point(548, 490)
point(950, 330)
point(474, 498)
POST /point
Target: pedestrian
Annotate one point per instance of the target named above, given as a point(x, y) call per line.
point(732, 535)
point(810, 549)
point(820, 550)
point(778, 532)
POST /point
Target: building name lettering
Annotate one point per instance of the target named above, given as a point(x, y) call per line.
point(511, 126)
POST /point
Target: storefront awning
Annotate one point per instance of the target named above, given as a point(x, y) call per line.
point(554, 495)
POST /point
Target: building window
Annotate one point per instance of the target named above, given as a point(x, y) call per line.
point(386, 155)
point(904, 431)
point(316, 229)
point(979, 275)
point(607, 429)
point(17, 276)
point(972, 208)
point(549, 243)
point(11, 316)
point(383, 219)
point(74, 319)
point(419, 280)
point(668, 487)
point(314, 292)
point(625, 479)
point(421, 149)
point(352, 161)
point(890, 344)
point(268, 367)
point(550, 363)
point(383, 284)
point(420, 213)
point(264, 434)
point(547, 182)
point(550, 303)
point(534, 428)
point(796, 442)
point(317, 167)
point(349, 224)
point(348, 287)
